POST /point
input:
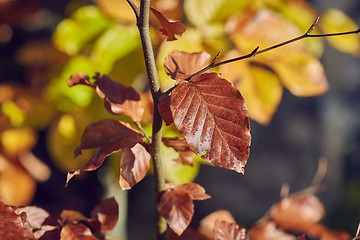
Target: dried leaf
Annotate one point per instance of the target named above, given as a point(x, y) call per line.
point(109, 136)
point(229, 231)
point(36, 216)
point(107, 214)
point(134, 165)
point(177, 207)
point(212, 116)
point(186, 156)
point(79, 78)
point(118, 98)
point(195, 191)
point(12, 225)
point(170, 28)
point(180, 65)
point(164, 109)
point(188, 234)
point(78, 232)
point(268, 231)
point(71, 217)
point(207, 224)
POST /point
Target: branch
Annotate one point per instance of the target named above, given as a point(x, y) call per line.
point(256, 51)
point(134, 8)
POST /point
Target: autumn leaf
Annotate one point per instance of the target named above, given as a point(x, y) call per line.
point(77, 231)
point(36, 216)
point(212, 116)
point(186, 156)
point(79, 78)
point(108, 136)
point(164, 109)
point(180, 65)
point(207, 224)
point(170, 28)
point(106, 213)
point(176, 205)
point(268, 231)
point(229, 231)
point(134, 165)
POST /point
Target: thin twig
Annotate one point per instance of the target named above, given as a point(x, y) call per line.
point(357, 235)
point(140, 127)
point(134, 8)
point(256, 51)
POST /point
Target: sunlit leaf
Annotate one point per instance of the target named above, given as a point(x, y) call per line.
point(180, 65)
point(259, 86)
point(302, 74)
point(201, 12)
point(207, 224)
point(36, 216)
point(268, 231)
point(229, 231)
point(107, 49)
point(177, 207)
point(334, 21)
point(107, 214)
point(196, 191)
point(186, 156)
point(134, 165)
point(108, 136)
point(212, 116)
point(73, 33)
point(170, 28)
point(14, 226)
point(76, 231)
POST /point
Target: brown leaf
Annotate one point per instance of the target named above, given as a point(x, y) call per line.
point(109, 136)
point(12, 225)
point(188, 234)
point(177, 207)
point(79, 78)
point(212, 116)
point(207, 224)
point(134, 165)
point(76, 232)
point(195, 191)
point(186, 156)
point(268, 231)
point(71, 217)
point(180, 65)
point(297, 211)
point(224, 230)
point(164, 109)
point(118, 98)
point(107, 214)
point(169, 27)
point(36, 216)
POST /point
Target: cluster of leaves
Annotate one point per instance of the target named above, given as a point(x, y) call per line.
point(35, 223)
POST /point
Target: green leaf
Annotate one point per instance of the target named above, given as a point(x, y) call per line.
point(333, 21)
point(73, 33)
point(115, 43)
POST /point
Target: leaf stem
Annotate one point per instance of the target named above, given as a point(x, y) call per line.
point(143, 26)
point(256, 51)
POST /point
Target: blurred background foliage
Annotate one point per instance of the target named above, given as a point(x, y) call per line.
point(43, 42)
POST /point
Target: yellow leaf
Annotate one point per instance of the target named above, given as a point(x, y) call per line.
point(333, 21)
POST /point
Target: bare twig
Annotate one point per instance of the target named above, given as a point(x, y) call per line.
point(134, 8)
point(357, 235)
point(256, 51)
point(140, 127)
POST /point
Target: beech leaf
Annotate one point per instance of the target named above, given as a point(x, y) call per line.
point(76, 231)
point(180, 65)
point(134, 165)
point(212, 116)
point(170, 28)
point(164, 109)
point(107, 214)
point(186, 156)
point(177, 207)
point(36, 216)
point(118, 98)
point(229, 231)
point(108, 136)
point(195, 191)
point(207, 224)
point(268, 231)
point(79, 78)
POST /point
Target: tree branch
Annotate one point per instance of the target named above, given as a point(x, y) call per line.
point(134, 8)
point(256, 51)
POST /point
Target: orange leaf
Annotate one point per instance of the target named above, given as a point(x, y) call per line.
point(177, 207)
point(186, 156)
point(212, 116)
point(109, 136)
point(229, 231)
point(169, 27)
point(207, 224)
point(134, 165)
point(180, 65)
point(78, 232)
point(268, 231)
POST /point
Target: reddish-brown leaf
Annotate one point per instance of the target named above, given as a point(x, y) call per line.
point(180, 65)
point(36, 216)
point(109, 136)
point(164, 109)
point(134, 165)
point(170, 28)
point(207, 224)
point(177, 207)
point(76, 231)
point(79, 78)
point(268, 231)
point(195, 191)
point(106, 213)
point(224, 230)
point(118, 98)
point(212, 116)
point(12, 225)
point(71, 217)
point(186, 156)
point(189, 234)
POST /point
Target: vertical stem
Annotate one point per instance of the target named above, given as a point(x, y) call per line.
point(143, 25)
